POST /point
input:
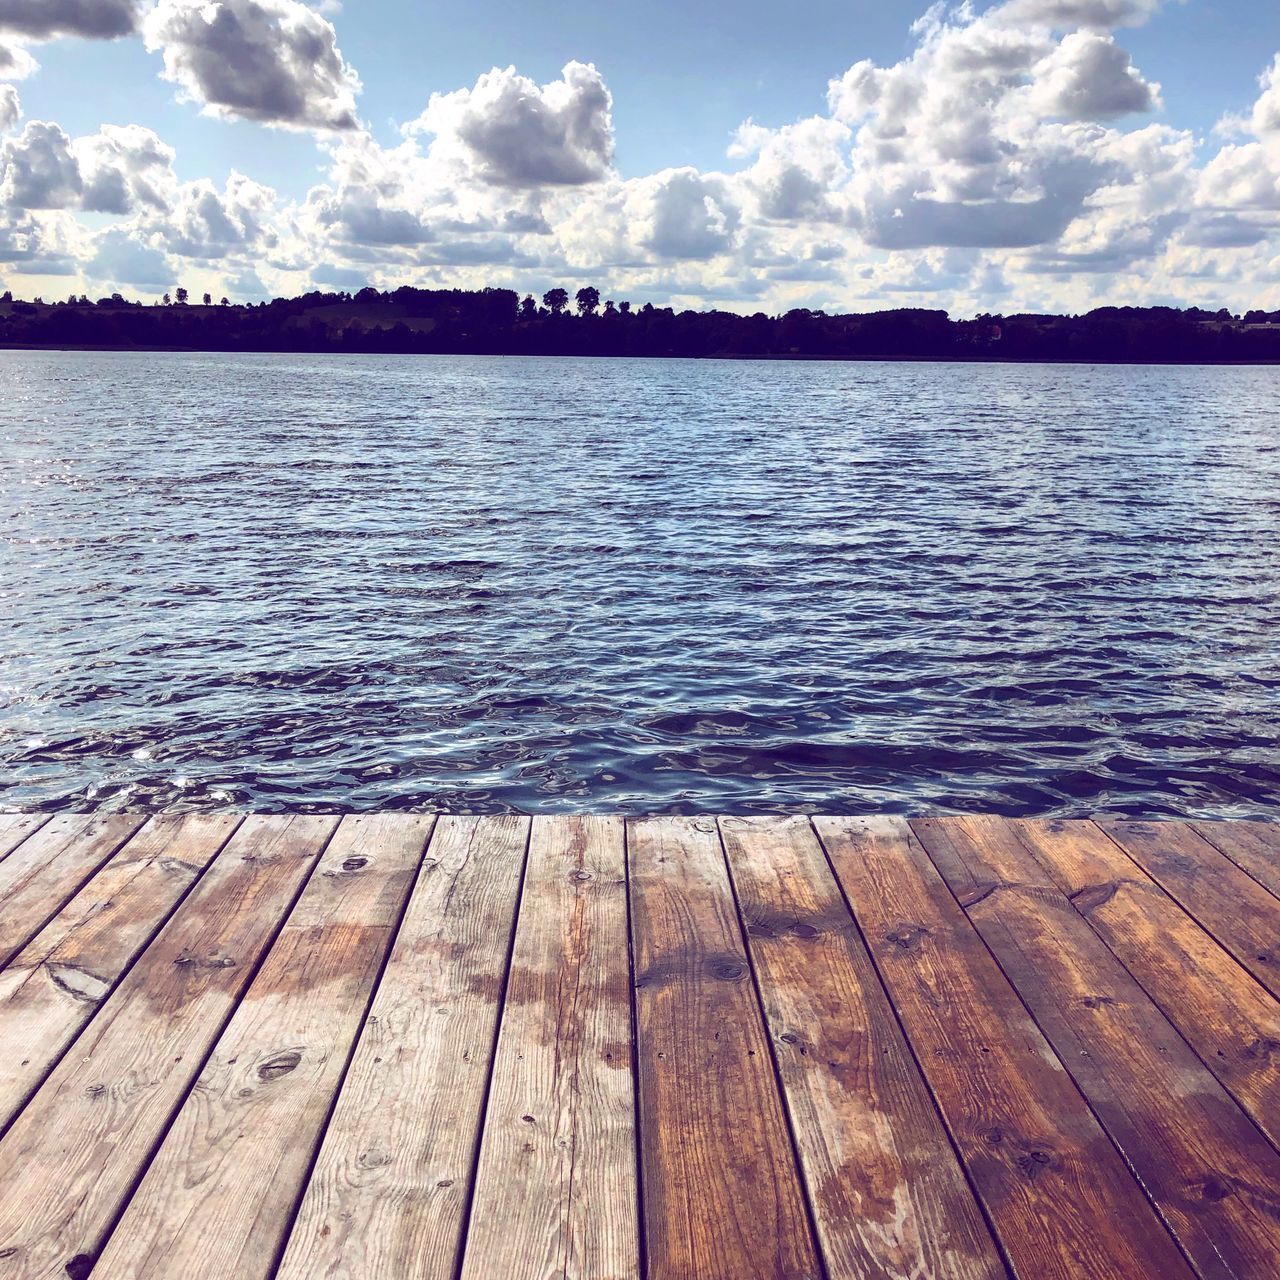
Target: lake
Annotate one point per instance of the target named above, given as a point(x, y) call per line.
point(663, 586)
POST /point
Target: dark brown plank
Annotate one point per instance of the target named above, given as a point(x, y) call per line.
point(1253, 846)
point(45, 871)
point(1057, 1193)
point(1214, 1178)
point(556, 1187)
point(73, 1155)
point(888, 1195)
point(388, 1196)
point(1228, 902)
point(1222, 1012)
point(55, 985)
point(218, 1197)
point(721, 1190)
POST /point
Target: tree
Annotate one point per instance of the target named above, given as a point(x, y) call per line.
point(168, 301)
point(529, 307)
point(625, 308)
point(183, 295)
point(555, 300)
point(588, 300)
point(226, 302)
point(208, 299)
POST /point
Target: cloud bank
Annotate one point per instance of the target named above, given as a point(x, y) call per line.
point(1014, 158)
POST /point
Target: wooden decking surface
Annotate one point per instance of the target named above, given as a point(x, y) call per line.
point(678, 1048)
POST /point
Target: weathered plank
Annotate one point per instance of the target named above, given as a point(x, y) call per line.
point(1228, 902)
point(47, 868)
point(1254, 846)
point(1230, 1021)
point(58, 981)
point(390, 1189)
point(16, 827)
point(71, 1159)
point(1058, 1195)
point(556, 1187)
point(722, 1193)
point(220, 1194)
point(1214, 1178)
point(888, 1195)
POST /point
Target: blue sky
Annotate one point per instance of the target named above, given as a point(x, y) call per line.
point(1042, 203)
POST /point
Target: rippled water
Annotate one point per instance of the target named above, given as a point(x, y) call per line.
point(488, 584)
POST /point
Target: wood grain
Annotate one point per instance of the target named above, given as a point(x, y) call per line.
point(1059, 1197)
point(1253, 846)
point(1229, 903)
point(1221, 1011)
point(1214, 1178)
point(70, 1161)
point(556, 1187)
point(889, 1197)
point(219, 1196)
point(390, 1189)
point(722, 1192)
point(47, 868)
point(16, 827)
point(58, 981)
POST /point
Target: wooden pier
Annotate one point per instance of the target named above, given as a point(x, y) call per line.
point(424, 1048)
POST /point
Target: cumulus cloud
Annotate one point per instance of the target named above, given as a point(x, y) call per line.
point(96, 19)
point(121, 262)
point(122, 167)
point(1089, 77)
point(511, 132)
point(38, 169)
point(1064, 15)
point(15, 62)
point(273, 61)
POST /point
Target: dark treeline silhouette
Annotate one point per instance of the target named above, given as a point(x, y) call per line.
point(499, 322)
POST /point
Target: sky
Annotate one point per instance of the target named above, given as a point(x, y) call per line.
point(1021, 155)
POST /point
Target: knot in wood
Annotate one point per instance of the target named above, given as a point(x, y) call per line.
point(280, 1065)
point(727, 969)
point(581, 876)
point(355, 864)
point(906, 937)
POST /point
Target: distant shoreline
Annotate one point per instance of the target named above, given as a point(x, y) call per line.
point(497, 322)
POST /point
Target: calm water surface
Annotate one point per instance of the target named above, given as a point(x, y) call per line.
point(493, 584)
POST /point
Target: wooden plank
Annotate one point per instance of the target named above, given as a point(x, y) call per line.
point(722, 1193)
point(220, 1194)
point(1214, 1178)
point(556, 1186)
point(73, 1155)
point(1057, 1194)
point(16, 827)
point(888, 1195)
point(390, 1189)
point(1230, 1021)
point(59, 980)
point(1230, 904)
point(1253, 846)
point(46, 870)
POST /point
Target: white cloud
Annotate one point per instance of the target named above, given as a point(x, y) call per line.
point(38, 169)
point(10, 107)
point(123, 167)
point(1065, 15)
point(510, 132)
point(96, 19)
point(273, 61)
point(15, 62)
point(1089, 77)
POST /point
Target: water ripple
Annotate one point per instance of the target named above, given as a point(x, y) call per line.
point(490, 584)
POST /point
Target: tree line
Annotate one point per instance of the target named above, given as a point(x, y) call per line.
point(501, 322)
